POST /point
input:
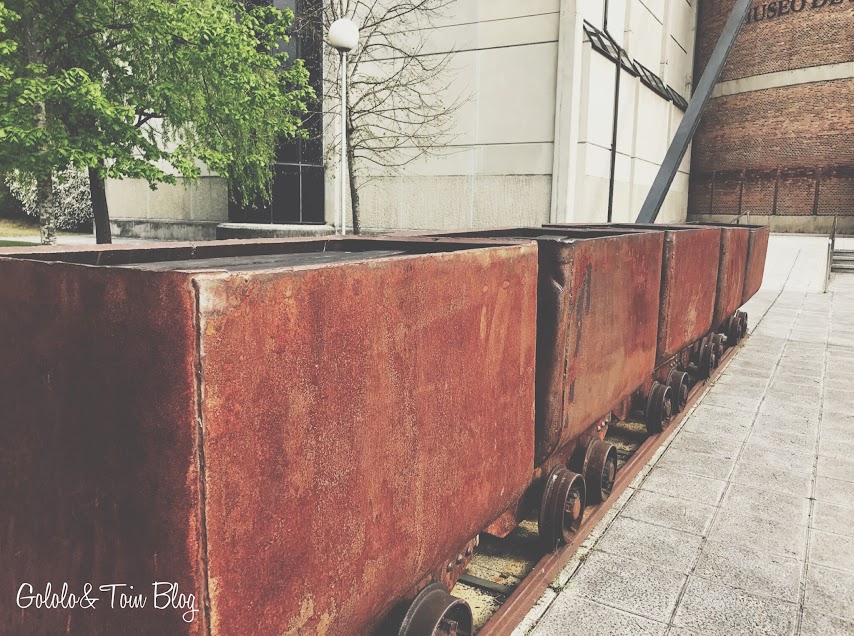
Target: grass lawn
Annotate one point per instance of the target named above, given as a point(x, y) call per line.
point(15, 243)
point(16, 227)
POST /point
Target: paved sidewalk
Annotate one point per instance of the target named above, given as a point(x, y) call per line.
point(743, 523)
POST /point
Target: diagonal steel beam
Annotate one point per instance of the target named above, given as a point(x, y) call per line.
point(691, 119)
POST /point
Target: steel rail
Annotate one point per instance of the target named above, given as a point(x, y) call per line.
point(532, 587)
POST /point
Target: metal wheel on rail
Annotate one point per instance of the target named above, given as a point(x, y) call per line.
point(562, 507)
point(742, 321)
point(707, 360)
point(718, 345)
point(678, 383)
point(434, 612)
point(659, 407)
point(600, 470)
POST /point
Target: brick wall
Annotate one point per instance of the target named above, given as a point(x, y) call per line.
point(786, 150)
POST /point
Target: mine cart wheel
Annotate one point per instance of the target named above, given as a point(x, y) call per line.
point(434, 612)
point(562, 507)
point(659, 407)
point(600, 470)
point(708, 359)
point(735, 330)
point(678, 383)
point(742, 324)
point(718, 342)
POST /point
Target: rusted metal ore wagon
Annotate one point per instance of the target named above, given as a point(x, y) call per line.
point(709, 271)
point(597, 326)
point(300, 435)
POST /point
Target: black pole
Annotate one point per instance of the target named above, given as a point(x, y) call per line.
point(614, 132)
point(691, 119)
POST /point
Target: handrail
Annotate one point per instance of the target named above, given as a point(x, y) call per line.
point(737, 220)
point(831, 246)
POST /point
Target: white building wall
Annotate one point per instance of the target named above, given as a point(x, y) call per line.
point(496, 169)
point(533, 143)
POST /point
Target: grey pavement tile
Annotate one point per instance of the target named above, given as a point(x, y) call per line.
point(684, 486)
point(653, 544)
point(751, 570)
point(770, 504)
point(832, 446)
point(730, 378)
point(832, 550)
point(786, 459)
point(786, 424)
point(712, 608)
point(716, 420)
point(798, 377)
point(834, 491)
point(829, 591)
point(573, 615)
point(839, 381)
point(811, 390)
point(749, 530)
point(831, 518)
point(733, 391)
point(841, 468)
point(820, 624)
point(807, 410)
point(629, 585)
point(732, 401)
point(840, 421)
point(706, 442)
point(777, 479)
point(703, 464)
point(670, 512)
point(796, 442)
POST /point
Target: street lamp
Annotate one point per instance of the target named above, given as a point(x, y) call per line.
point(343, 36)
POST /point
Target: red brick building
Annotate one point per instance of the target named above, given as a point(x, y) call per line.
point(777, 139)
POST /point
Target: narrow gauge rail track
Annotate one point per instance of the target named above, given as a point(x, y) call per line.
point(508, 576)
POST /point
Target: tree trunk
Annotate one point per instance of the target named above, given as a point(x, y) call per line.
point(99, 206)
point(354, 189)
point(44, 201)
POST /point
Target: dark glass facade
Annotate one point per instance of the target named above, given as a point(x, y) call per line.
point(297, 194)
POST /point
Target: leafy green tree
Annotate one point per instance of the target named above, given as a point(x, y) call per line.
point(145, 89)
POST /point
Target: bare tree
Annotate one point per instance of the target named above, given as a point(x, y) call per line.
point(399, 106)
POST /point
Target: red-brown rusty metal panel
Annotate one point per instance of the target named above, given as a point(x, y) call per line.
point(688, 286)
point(362, 422)
point(610, 307)
point(688, 283)
point(731, 273)
point(757, 250)
point(597, 323)
point(99, 477)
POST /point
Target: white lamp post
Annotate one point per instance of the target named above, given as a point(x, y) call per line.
point(343, 36)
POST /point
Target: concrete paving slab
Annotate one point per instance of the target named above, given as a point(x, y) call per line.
point(782, 507)
point(841, 468)
point(653, 544)
point(834, 491)
point(670, 512)
point(712, 608)
point(834, 519)
point(684, 486)
point(832, 550)
point(751, 570)
point(829, 591)
point(776, 479)
point(748, 530)
point(574, 615)
point(820, 624)
point(612, 580)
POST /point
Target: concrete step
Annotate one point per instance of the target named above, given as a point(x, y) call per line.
point(841, 269)
point(843, 258)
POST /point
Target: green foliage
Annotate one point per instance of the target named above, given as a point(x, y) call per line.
point(151, 86)
point(73, 203)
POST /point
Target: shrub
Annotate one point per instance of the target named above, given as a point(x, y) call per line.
point(71, 198)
